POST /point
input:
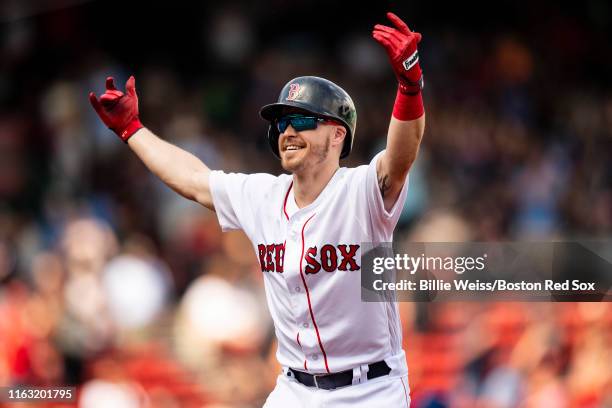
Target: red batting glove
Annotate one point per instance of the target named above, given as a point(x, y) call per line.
point(117, 110)
point(401, 46)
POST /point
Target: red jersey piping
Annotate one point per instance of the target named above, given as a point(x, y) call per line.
point(308, 296)
point(285, 202)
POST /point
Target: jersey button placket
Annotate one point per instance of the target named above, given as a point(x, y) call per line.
point(295, 288)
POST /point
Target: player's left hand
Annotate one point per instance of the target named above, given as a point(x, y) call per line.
point(401, 46)
point(118, 110)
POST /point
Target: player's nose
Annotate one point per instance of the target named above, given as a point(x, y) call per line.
point(289, 131)
point(290, 134)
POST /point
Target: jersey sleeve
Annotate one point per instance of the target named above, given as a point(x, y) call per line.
point(383, 222)
point(235, 197)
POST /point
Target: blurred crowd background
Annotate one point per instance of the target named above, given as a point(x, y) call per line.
point(111, 282)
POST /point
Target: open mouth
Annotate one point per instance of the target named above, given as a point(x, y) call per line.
point(292, 148)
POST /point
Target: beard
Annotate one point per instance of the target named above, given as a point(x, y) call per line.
point(318, 153)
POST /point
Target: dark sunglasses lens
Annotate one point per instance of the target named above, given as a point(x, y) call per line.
point(303, 123)
point(299, 123)
point(282, 124)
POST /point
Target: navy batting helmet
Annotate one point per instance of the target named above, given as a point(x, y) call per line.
point(315, 96)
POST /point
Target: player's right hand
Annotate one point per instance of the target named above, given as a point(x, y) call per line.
point(118, 110)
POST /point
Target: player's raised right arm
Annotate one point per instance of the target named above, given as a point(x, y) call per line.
point(179, 169)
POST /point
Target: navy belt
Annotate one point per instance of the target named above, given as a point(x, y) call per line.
point(337, 380)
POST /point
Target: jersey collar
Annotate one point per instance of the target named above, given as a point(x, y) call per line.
point(290, 207)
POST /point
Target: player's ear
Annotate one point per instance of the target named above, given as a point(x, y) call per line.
point(338, 136)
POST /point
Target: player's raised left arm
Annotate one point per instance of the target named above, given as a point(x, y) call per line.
point(408, 118)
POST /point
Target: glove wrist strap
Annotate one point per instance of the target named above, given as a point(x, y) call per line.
point(130, 129)
point(408, 105)
point(411, 88)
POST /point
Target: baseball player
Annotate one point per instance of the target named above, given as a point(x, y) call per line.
point(307, 227)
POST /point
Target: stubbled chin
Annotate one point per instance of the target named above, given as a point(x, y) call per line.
point(292, 161)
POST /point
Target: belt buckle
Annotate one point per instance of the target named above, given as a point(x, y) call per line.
point(314, 376)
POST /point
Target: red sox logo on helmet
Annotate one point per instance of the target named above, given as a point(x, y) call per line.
point(294, 91)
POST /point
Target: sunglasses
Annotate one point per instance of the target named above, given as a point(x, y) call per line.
point(298, 122)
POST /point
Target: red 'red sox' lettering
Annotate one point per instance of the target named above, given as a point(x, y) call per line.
point(331, 258)
point(328, 258)
point(271, 257)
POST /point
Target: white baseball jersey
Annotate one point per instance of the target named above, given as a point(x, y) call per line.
point(310, 258)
